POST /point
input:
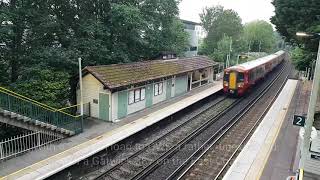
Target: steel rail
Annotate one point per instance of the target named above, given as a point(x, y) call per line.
point(251, 130)
point(162, 137)
point(146, 171)
point(169, 153)
point(223, 130)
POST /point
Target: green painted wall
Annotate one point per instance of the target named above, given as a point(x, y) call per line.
point(122, 104)
point(181, 85)
point(168, 89)
point(104, 106)
point(149, 95)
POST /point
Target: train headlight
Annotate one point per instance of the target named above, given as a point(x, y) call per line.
point(240, 85)
point(225, 83)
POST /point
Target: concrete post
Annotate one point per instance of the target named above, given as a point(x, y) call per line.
point(80, 83)
point(311, 111)
point(1, 151)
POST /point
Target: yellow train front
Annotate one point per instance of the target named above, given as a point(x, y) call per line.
point(237, 80)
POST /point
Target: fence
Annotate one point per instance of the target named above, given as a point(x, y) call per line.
point(25, 142)
point(22, 105)
point(75, 110)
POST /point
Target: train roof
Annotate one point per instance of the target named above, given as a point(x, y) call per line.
point(252, 64)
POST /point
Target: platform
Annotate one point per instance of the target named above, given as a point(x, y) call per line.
point(252, 160)
point(100, 135)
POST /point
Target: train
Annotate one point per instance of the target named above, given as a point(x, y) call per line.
point(239, 79)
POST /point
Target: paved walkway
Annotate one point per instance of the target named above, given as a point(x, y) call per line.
point(97, 136)
point(284, 158)
point(252, 160)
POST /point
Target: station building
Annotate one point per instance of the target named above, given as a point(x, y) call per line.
point(115, 91)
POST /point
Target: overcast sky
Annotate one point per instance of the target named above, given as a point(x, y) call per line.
point(248, 10)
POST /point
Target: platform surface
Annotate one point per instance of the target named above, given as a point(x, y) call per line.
point(284, 158)
point(98, 136)
point(252, 160)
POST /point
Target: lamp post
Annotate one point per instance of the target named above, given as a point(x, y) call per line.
point(312, 105)
point(80, 84)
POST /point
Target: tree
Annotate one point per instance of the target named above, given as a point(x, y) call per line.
point(219, 22)
point(300, 58)
point(292, 16)
point(42, 40)
point(260, 35)
point(223, 49)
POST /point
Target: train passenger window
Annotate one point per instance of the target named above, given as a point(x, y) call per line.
point(240, 77)
point(252, 76)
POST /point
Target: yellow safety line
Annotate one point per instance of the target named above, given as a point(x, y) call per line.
point(107, 134)
point(301, 174)
point(274, 139)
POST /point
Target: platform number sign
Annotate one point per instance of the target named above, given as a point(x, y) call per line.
point(299, 120)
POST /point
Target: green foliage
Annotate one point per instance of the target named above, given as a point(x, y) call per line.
point(301, 58)
point(222, 50)
point(219, 22)
point(260, 35)
point(46, 86)
point(7, 131)
point(292, 16)
point(42, 40)
point(224, 25)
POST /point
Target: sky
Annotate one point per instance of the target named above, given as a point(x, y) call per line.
point(248, 10)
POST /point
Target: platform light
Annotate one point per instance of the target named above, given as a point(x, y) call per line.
point(303, 34)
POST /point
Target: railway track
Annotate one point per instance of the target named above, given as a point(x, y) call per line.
point(170, 163)
point(214, 161)
point(194, 116)
point(139, 161)
point(151, 156)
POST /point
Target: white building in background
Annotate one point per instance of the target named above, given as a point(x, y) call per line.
point(197, 34)
point(190, 27)
point(201, 33)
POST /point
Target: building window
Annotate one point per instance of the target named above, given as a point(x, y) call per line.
point(158, 88)
point(193, 48)
point(137, 95)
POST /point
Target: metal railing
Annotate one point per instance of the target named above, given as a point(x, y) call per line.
point(75, 109)
point(25, 142)
point(37, 111)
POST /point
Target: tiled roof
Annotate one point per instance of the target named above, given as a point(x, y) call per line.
point(119, 75)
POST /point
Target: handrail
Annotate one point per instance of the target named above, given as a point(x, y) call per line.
point(37, 111)
point(11, 93)
point(69, 107)
point(7, 91)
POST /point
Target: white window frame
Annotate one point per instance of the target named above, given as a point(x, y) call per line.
point(136, 95)
point(158, 88)
point(131, 97)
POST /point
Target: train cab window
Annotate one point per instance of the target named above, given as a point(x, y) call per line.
point(240, 77)
point(226, 77)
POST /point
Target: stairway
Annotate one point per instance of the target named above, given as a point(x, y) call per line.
point(23, 112)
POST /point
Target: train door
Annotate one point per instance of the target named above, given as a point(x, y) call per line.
point(233, 80)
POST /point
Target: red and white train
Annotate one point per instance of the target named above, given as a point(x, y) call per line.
point(237, 80)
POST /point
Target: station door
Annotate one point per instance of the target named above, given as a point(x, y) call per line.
point(104, 106)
